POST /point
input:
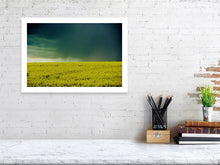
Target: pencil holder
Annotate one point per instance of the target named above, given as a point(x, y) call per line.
point(159, 119)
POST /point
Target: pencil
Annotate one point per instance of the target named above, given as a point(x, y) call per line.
point(169, 102)
point(166, 102)
point(154, 108)
point(160, 101)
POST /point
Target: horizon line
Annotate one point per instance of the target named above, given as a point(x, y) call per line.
point(71, 61)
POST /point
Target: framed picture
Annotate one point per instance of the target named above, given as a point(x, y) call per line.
point(74, 55)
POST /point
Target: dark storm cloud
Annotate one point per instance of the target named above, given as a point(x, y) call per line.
point(83, 42)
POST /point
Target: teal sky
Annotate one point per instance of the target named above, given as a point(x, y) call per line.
point(62, 42)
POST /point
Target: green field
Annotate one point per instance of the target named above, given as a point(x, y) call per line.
point(74, 74)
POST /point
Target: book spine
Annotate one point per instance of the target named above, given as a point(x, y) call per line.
point(198, 139)
point(199, 130)
point(202, 124)
point(199, 135)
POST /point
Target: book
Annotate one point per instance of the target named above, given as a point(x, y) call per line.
point(194, 142)
point(198, 139)
point(199, 130)
point(202, 124)
point(199, 135)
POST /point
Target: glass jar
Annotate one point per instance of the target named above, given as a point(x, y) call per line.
point(159, 119)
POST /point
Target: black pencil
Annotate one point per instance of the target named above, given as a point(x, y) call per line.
point(160, 101)
point(153, 102)
point(169, 102)
point(164, 105)
point(154, 108)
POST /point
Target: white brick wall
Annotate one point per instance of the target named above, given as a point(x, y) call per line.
point(168, 41)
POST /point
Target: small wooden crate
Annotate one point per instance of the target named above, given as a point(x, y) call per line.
point(158, 136)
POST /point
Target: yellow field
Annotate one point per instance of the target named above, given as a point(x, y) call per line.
point(74, 74)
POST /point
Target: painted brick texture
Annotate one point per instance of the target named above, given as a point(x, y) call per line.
point(168, 42)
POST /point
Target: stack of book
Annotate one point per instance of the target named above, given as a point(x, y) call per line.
point(198, 132)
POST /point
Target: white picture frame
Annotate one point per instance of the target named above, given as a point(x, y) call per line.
point(25, 89)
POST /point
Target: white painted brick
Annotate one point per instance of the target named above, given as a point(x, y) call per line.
point(120, 5)
point(12, 11)
point(35, 12)
point(168, 41)
point(112, 12)
point(19, 4)
point(2, 3)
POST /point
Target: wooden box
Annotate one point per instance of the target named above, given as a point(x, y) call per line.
point(158, 136)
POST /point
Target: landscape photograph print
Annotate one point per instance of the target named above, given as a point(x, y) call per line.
point(74, 55)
